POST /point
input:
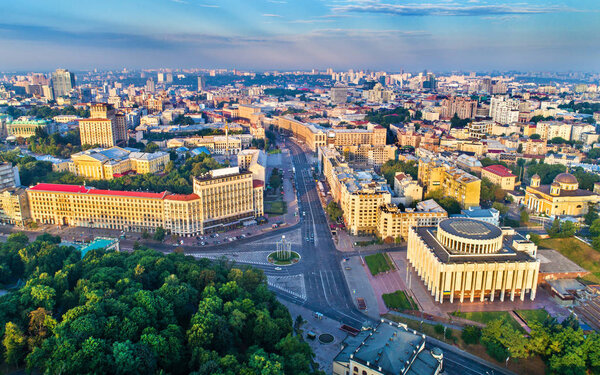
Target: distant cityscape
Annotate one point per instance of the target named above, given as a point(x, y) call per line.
point(407, 222)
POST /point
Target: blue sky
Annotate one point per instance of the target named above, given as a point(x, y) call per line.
point(301, 34)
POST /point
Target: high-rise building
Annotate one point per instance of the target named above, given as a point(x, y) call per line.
point(463, 107)
point(9, 176)
point(169, 77)
point(200, 83)
point(63, 82)
point(150, 86)
point(104, 128)
point(339, 94)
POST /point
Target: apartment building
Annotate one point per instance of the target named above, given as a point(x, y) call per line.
point(453, 181)
point(254, 161)
point(463, 107)
point(366, 154)
point(504, 110)
point(9, 176)
point(552, 129)
point(14, 206)
point(534, 146)
point(309, 133)
point(393, 222)
point(222, 198)
point(104, 128)
point(106, 164)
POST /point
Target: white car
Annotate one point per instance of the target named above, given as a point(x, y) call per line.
point(277, 268)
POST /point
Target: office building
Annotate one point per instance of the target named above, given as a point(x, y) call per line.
point(150, 85)
point(562, 197)
point(389, 348)
point(200, 83)
point(106, 164)
point(63, 82)
point(465, 259)
point(104, 128)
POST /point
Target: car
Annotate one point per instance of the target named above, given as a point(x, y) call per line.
point(216, 234)
point(277, 268)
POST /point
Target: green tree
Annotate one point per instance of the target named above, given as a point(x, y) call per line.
point(471, 335)
point(334, 211)
point(14, 343)
point(523, 217)
point(151, 147)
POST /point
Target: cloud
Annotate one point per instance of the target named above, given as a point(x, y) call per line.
point(180, 1)
point(40, 33)
point(208, 5)
point(277, 1)
point(271, 15)
point(446, 9)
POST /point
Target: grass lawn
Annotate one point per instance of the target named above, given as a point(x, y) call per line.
point(378, 263)
point(487, 316)
point(275, 207)
point(399, 301)
point(530, 316)
point(578, 252)
point(275, 151)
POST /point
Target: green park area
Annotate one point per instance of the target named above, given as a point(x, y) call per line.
point(578, 252)
point(379, 263)
point(531, 316)
point(275, 207)
point(399, 301)
point(486, 317)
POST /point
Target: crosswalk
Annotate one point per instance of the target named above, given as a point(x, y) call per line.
point(291, 284)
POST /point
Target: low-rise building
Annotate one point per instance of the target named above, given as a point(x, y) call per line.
point(389, 348)
point(394, 222)
point(14, 206)
point(9, 176)
point(254, 161)
point(562, 197)
point(407, 189)
point(105, 164)
point(25, 127)
point(489, 215)
point(453, 181)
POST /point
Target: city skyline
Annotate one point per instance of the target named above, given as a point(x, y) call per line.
point(279, 34)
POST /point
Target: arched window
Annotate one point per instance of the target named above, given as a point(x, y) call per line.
point(364, 372)
point(355, 369)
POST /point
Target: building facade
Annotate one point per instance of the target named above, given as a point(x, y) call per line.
point(466, 259)
point(104, 128)
point(26, 127)
point(222, 198)
point(63, 82)
point(500, 175)
point(106, 164)
point(453, 181)
point(394, 223)
point(14, 206)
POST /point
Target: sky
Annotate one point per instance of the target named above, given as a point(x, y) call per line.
point(387, 35)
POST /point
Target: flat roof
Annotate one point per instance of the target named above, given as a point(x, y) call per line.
point(470, 228)
point(78, 189)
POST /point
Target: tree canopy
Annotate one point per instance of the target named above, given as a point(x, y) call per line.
point(141, 312)
point(390, 168)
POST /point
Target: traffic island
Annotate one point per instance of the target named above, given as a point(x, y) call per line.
point(283, 259)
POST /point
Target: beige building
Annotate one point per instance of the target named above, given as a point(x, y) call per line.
point(407, 189)
point(394, 223)
point(309, 133)
point(562, 197)
point(104, 128)
point(222, 198)
point(454, 182)
point(552, 129)
point(466, 259)
point(105, 164)
point(14, 207)
point(365, 154)
point(500, 175)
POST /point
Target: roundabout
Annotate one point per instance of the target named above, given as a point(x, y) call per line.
point(285, 260)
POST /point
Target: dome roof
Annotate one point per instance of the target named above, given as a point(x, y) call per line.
point(535, 176)
point(566, 178)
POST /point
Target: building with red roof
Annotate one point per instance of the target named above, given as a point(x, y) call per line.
point(500, 175)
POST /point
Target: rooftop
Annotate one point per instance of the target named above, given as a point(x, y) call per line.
point(78, 189)
point(499, 170)
point(469, 228)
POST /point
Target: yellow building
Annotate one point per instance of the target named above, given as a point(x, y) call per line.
point(221, 198)
point(501, 176)
point(104, 128)
point(26, 127)
point(254, 161)
point(309, 133)
point(14, 207)
point(467, 259)
point(394, 223)
point(453, 181)
point(562, 197)
point(105, 164)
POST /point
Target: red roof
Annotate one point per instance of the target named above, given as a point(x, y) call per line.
point(257, 183)
point(182, 197)
point(499, 170)
point(60, 188)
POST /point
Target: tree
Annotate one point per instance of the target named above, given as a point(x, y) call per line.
point(159, 234)
point(523, 217)
point(502, 209)
point(14, 344)
point(391, 167)
point(590, 216)
point(520, 148)
point(151, 147)
point(457, 122)
point(334, 211)
point(535, 136)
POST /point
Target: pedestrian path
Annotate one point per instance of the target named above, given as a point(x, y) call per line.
point(257, 257)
